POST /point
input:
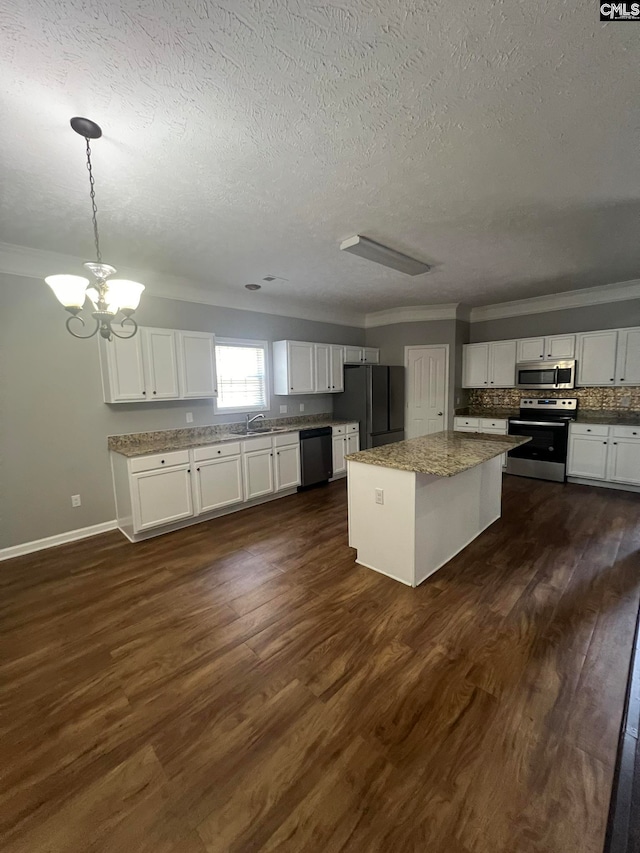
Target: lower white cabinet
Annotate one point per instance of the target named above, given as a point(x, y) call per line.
point(217, 483)
point(492, 426)
point(610, 454)
point(346, 439)
point(287, 466)
point(161, 496)
point(339, 465)
point(258, 473)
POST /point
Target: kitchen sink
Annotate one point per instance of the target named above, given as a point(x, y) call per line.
point(258, 431)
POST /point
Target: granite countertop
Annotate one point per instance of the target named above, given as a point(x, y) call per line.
point(443, 454)
point(164, 441)
point(584, 416)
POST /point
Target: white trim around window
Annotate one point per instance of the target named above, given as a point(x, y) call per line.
point(245, 378)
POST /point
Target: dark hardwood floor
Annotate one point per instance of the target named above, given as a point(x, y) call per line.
point(242, 685)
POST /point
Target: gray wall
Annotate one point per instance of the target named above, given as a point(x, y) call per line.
point(613, 315)
point(391, 340)
point(54, 424)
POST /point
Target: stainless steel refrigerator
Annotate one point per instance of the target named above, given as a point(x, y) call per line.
point(373, 395)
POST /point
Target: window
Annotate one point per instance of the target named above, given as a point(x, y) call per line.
point(242, 376)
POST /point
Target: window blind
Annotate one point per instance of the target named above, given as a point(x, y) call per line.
point(241, 376)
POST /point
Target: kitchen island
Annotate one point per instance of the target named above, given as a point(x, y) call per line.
point(415, 504)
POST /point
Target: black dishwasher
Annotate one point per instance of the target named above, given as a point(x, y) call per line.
point(316, 456)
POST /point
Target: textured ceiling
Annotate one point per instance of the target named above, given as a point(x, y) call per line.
point(498, 141)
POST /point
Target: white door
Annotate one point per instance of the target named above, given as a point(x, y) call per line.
point(427, 384)
point(353, 442)
point(560, 346)
point(126, 368)
point(475, 365)
point(502, 364)
point(629, 357)
point(624, 461)
point(371, 355)
point(337, 368)
point(287, 467)
point(323, 367)
point(530, 349)
point(339, 447)
point(218, 483)
point(258, 473)
point(197, 360)
point(587, 456)
point(301, 371)
point(160, 364)
point(597, 358)
point(161, 496)
point(353, 355)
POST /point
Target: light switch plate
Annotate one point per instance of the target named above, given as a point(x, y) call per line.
point(283, 410)
point(380, 496)
point(302, 407)
point(189, 417)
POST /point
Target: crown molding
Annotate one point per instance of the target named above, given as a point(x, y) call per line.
point(414, 314)
point(618, 292)
point(38, 263)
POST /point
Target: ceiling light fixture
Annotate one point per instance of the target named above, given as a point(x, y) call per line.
point(380, 254)
point(109, 297)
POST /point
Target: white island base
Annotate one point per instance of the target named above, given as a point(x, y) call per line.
point(423, 521)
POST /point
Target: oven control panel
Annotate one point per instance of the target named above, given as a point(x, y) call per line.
point(557, 404)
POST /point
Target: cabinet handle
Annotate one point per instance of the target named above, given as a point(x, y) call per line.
point(492, 381)
point(144, 393)
point(588, 430)
point(162, 461)
point(611, 380)
point(604, 442)
point(622, 380)
point(271, 454)
point(291, 389)
point(197, 469)
point(219, 451)
point(278, 453)
point(542, 356)
point(188, 470)
point(155, 392)
point(634, 433)
point(485, 381)
point(615, 442)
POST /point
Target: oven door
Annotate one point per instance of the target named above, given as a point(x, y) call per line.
point(548, 440)
point(553, 375)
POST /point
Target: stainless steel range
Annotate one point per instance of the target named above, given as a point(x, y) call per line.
point(547, 421)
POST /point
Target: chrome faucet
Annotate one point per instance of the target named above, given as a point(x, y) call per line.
point(251, 420)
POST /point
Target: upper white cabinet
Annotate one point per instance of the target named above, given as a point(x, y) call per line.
point(552, 348)
point(293, 367)
point(158, 364)
point(323, 367)
point(197, 361)
point(597, 358)
point(489, 365)
point(361, 355)
point(628, 359)
point(337, 368)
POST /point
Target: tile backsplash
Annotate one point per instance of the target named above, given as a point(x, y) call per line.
point(606, 399)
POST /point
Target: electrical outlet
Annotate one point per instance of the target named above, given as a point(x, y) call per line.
point(380, 496)
point(189, 417)
point(302, 407)
point(75, 500)
point(283, 410)
point(625, 401)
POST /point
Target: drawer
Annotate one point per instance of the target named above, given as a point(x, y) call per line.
point(214, 451)
point(265, 442)
point(339, 430)
point(466, 422)
point(625, 432)
point(353, 428)
point(466, 429)
point(494, 423)
point(601, 430)
point(283, 440)
point(159, 460)
point(493, 431)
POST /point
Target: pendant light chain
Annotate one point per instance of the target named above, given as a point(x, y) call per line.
point(94, 208)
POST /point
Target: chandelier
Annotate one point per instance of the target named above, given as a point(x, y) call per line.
point(109, 297)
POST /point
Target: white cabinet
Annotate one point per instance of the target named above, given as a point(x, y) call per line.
point(628, 359)
point(346, 439)
point(587, 456)
point(217, 483)
point(530, 349)
point(258, 473)
point(197, 362)
point(161, 496)
point(337, 368)
point(502, 364)
point(624, 459)
point(559, 347)
point(550, 348)
point(324, 373)
point(489, 365)
point(353, 355)
point(158, 364)
point(339, 449)
point(370, 355)
point(492, 426)
point(293, 367)
point(287, 466)
point(596, 352)
point(353, 443)
point(475, 365)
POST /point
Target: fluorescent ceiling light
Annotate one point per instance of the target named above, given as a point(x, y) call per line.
point(380, 254)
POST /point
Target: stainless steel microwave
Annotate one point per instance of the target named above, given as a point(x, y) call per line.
point(554, 375)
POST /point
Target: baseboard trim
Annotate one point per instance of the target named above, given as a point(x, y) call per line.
point(58, 539)
point(604, 484)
